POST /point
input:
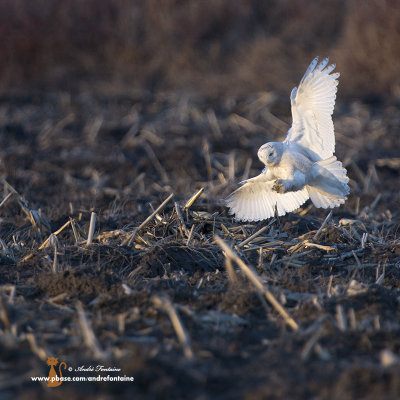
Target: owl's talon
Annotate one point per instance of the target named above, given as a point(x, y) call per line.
point(278, 187)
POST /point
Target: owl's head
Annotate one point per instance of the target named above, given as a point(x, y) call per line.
point(270, 153)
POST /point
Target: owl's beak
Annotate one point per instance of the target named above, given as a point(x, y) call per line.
point(262, 155)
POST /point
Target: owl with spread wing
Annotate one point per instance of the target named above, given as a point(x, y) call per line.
point(303, 165)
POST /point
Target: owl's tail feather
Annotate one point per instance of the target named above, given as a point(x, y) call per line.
point(327, 185)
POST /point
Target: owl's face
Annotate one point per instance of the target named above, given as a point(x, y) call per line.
point(269, 154)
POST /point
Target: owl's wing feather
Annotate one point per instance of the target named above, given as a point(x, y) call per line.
point(312, 107)
point(255, 200)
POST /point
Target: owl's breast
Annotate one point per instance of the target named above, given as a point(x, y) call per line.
point(284, 171)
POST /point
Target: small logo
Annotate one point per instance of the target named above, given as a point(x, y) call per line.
point(54, 379)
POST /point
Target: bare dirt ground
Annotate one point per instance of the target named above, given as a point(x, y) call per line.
point(115, 302)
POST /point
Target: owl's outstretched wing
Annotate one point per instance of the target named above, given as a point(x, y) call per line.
point(255, 200)
point(312, 107)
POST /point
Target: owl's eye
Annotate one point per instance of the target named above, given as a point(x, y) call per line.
point(270, 154)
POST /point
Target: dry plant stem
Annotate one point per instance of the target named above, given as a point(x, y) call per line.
point(231, 167)
point(319, 246)
point(213, 121)
point(5, 199)
point(182, 222)
point(23, 204)
point(92, 129)
point(41, 353)
point(156, 162)
point(276, 122)
point(352, 319)
point(79, 229)
point(129, 239)
point(12, 290)
point(191, 201)
point(91, 228)
point(328, 290)
point(246, 171)
point(3, 313)
point(89, 337)
point(388, 162)
point(340, 318)
point(44, 244)
point(4, 250)
point(55, 261)
point(380, 279)
point(110, 234)
point(328, 217)
point(76, 237)
point(207, 158)
point(230, 270)
point(376, 201)
point(290, 258)
point(190, 235)
point(11, 188)
point(257, 283)
point(357, 259)
point(308, 347)
point(31, 216)
point(165, 304)
point(246, 124)
point(259, 232)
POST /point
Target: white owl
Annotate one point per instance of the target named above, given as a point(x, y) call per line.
point(303, 166)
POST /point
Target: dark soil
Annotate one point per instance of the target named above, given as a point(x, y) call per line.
point(120, 156)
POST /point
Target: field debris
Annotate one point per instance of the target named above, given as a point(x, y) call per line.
point(252, 275)
point(122, 251)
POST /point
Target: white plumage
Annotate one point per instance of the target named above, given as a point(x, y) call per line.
point(303, 166)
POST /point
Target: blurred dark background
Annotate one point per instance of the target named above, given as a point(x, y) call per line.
point(211, 47)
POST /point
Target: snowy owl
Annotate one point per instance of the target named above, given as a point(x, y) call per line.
point(303, 165)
